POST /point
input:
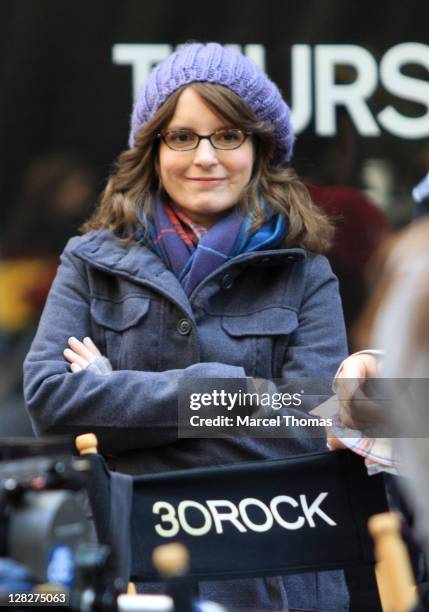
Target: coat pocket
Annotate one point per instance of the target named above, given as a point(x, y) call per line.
point(112, 320)
point(267, 322)
point(119, 316)
point(261, 339)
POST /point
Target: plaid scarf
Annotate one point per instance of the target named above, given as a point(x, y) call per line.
point(193, 252)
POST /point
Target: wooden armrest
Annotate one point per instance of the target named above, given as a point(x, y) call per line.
point(393, 569)
point(87, 444)
point(171, 559)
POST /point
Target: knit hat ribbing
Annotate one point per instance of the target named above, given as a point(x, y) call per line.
point(214, 63)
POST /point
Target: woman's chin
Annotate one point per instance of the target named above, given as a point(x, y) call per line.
point(210, 207)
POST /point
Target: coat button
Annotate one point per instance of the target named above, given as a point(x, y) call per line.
point(184, 327)
point(227, 281)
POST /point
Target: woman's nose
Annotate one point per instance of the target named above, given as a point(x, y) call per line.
point(205, 153)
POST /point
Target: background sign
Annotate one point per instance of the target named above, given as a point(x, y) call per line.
point(69, 72)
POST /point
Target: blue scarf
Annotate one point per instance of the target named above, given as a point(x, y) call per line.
point(229, 237)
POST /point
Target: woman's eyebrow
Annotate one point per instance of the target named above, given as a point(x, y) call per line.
point(191, 129)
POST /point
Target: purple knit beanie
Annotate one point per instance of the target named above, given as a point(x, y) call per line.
point(214, 63)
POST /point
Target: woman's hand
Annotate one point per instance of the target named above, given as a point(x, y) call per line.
point(357, 410)
point(81, 354)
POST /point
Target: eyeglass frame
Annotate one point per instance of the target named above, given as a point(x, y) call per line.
point(161, 136)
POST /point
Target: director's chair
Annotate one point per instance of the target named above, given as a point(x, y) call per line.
point(262, 518)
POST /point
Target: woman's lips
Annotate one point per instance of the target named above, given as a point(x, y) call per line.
point(207, 180)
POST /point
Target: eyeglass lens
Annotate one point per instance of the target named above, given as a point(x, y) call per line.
point(185, 140)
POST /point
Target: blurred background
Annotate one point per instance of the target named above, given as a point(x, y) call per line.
point(356, 76)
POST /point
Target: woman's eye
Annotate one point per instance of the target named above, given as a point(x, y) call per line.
point(181, 137)
point(230, 136)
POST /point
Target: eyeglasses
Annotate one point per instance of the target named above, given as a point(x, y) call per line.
point(186, 140)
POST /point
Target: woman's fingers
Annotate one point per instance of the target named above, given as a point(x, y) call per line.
point(360, 367)
point(81, 349)
point(91, 346)
point(333, 442)
point(81, 354)
point(74, 358)
point(357, 411)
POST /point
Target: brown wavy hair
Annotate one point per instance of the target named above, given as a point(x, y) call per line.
point(130, 195)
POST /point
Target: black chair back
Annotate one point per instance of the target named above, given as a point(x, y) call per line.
point(262, 518)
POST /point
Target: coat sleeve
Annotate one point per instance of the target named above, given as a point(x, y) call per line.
point(126, 409)
point(318, 345)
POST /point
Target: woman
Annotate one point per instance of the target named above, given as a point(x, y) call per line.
point(202, 261)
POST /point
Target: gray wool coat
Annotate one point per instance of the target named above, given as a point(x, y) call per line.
point(268, 314)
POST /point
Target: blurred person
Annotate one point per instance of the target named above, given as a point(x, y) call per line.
point(396, 321)
point(401, 330)
point(399, 277)
point(332, 169)
point(361, 227)
point(56, 194)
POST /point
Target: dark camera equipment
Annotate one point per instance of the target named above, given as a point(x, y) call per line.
point(44, 526)
point(41, 517)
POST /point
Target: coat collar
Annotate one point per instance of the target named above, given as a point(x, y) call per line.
point(137, 263)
